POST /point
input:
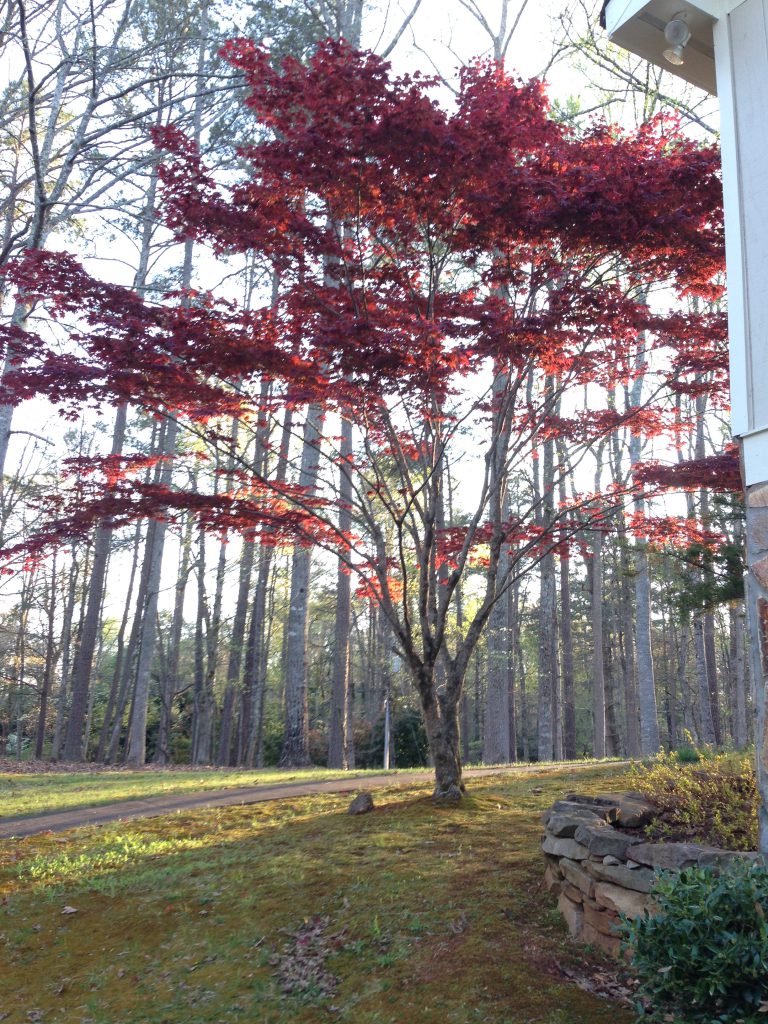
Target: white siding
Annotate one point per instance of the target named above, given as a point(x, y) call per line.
point(748, 31)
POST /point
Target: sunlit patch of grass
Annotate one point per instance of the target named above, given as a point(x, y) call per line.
point(23, 794)
point(434, 914)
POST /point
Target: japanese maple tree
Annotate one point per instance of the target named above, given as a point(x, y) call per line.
point(448, 277)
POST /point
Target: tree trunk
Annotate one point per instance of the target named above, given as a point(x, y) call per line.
point(598, 664)
point(441, 721)
point(547, 649)
point(170, 678)
point(707, 728)
point(513, 626)
point(202, 720)
point(295, 753)
point(83, 662)
point(497, 726)
point(50, 660)
point(710, 655)
point(137, 736)
point(66, 646)
point(119, 657)
point(340, 715)
point(236, 648)
point(740, 735)
point(631, 709)
point(566, 633)
point(646, 680)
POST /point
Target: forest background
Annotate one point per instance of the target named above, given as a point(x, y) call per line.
point(175, 637)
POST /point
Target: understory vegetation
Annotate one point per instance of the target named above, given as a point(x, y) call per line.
point(703, 797)
point(703, 957)
point(296, 912)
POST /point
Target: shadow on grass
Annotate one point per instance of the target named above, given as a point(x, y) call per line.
point(437, 914)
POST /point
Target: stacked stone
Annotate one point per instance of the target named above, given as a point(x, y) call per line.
point(599, 871)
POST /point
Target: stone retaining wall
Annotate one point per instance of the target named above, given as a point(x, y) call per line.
point(598, 870)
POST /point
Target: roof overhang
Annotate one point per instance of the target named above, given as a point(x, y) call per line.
point(638, 26)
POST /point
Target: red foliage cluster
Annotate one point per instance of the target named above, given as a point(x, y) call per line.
point(376, 205)
point(719, 472)
point(672, 531)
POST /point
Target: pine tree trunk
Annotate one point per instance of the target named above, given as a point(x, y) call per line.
point(497, 726)
point(740, 734)
point(169, 683)
point(513, 626)
point(710, 654)
point(137, 739)
point(569, 697)
point(83, 662)
point(50, 661)
point(202, 715)
point(598, 664)
point(340, 717)
point(66, 647)
point(547, 649)
point(120, 652)
point(707, 728)
point(632, 710)
point(295, 753)
point(650, 741)
point(236, 650)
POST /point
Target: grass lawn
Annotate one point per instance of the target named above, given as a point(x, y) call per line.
point(294, 912)
point(59, 791)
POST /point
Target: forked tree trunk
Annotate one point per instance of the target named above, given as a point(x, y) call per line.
point(441, 721)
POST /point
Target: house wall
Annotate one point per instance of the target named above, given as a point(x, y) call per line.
point(741, 49)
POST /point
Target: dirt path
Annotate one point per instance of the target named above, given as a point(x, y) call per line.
point(151, 807)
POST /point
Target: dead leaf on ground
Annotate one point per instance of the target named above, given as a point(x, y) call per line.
point(69, 910)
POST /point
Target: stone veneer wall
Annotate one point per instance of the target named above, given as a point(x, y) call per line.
point(598, 870)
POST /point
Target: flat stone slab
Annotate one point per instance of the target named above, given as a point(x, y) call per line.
point(564, 848)
point(573, 914)
point(563, 824)
point(603, 841)
point(638, 880)
point(577, 876)
point(604, 921)
point(669, 856)
point(627, 810)
point(623, 901)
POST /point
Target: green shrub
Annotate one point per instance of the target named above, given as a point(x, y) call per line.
point(687, 754)
point(703, 957)
point(712, 801)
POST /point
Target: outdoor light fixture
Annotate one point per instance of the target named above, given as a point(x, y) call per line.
point(677, 35)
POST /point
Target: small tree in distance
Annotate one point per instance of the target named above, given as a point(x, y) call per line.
point(447, 280)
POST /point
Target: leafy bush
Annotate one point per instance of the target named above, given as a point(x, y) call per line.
point(703, 957)
point(687, 754)
point(713, 800)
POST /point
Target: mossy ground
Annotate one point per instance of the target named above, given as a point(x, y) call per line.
point(434, 914)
